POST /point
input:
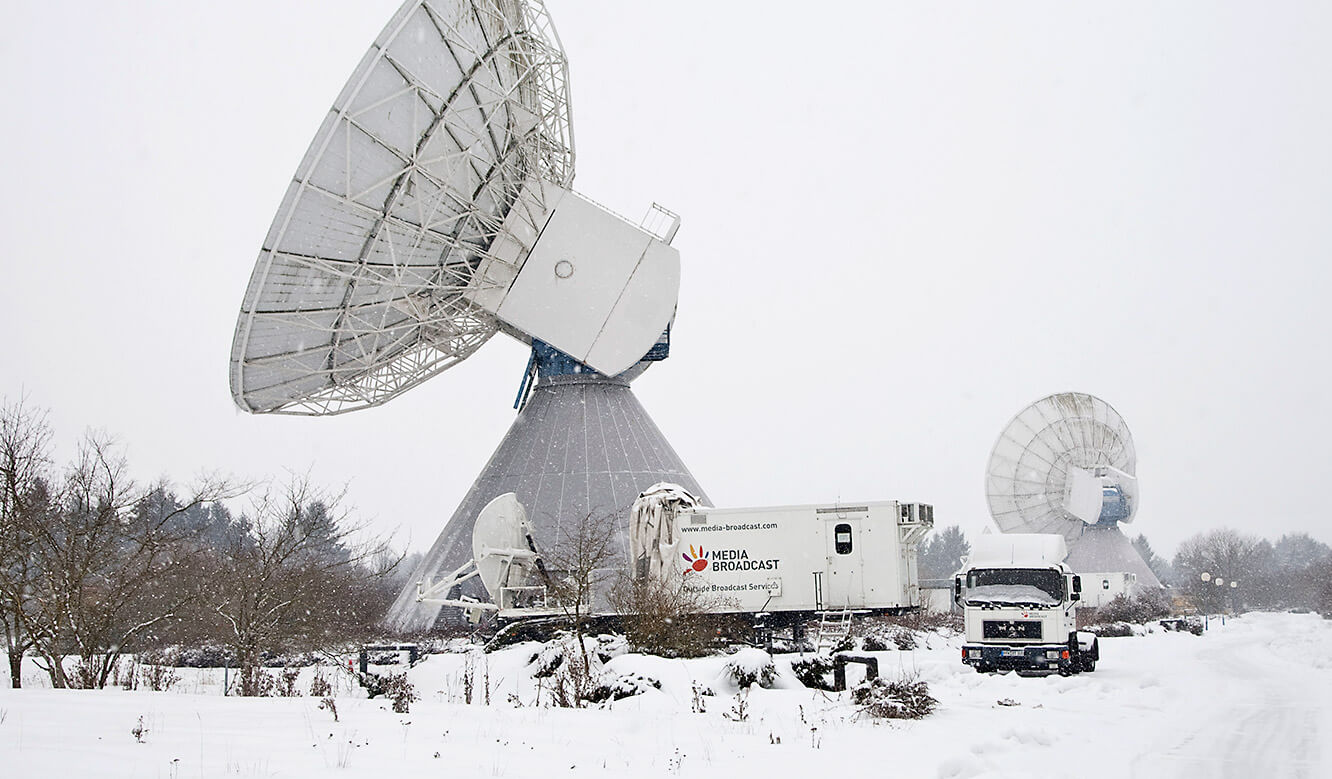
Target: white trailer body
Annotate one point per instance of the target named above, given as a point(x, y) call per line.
point(1098, 589)
point(801, 558)
point(788, 560)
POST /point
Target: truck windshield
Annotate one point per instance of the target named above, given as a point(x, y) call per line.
point(1015, 586)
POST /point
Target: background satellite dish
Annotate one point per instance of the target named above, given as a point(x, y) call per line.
point(1066, 465)
point(1064, 462)
point(431, 210)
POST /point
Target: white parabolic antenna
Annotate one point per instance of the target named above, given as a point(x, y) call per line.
point(431, 210)
point(1064, 464)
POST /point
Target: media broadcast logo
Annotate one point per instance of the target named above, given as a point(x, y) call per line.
point(724, 560)
point(697, 561)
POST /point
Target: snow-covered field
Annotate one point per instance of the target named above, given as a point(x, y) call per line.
point(1252, 698)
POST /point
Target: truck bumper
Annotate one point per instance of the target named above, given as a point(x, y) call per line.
point(1027, 657)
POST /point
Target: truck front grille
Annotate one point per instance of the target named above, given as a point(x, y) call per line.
point(994, 628)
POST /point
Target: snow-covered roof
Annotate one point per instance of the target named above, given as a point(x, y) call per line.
point(1021, 549)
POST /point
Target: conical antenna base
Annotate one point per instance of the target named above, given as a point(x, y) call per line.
point(1107, 549)
point(582, 445)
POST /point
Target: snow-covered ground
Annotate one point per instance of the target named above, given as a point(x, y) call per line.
point(1252, 698)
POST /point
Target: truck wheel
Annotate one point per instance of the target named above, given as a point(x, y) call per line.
point(1087, 664)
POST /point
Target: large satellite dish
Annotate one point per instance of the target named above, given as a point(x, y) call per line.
point(433, 209)
point(1064, 464)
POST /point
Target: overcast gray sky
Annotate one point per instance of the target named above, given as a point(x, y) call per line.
point(903, 222)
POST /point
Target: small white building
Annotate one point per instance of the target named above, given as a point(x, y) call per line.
point(1098, 589)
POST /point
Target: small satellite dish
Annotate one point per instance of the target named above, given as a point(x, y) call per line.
point(432, 210)
point(1065, 463)
point(502, 547)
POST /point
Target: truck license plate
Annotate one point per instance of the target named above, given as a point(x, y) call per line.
point(1013, 653)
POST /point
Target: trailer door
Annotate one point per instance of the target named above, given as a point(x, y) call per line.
point(844, 582)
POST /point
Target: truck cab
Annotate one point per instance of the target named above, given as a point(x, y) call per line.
point(1018, 599)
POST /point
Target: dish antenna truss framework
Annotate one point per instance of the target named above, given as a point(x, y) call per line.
point(431, 210)
point(1064, 464)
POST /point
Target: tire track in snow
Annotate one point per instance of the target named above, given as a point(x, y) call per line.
point(1262, 721)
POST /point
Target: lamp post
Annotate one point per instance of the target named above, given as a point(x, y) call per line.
point(1206, 577)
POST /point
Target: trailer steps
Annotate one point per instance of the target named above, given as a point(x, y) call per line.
point(834, 628)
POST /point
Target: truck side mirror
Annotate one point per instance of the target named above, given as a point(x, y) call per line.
point(957, 590)
point(1076, 595)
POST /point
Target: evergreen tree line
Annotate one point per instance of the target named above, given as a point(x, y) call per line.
point(94, 566)
point(1295, 572)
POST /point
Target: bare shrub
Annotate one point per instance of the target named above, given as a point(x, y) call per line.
point(262, 683)
point(664, 617)
point(127, 674)
point(158, 678)
point(883, 636)
point(697, 698)
point(906, 631)
point(1145, 606)
point(739, 707)
point(929, 620)
point(84, 674)
point(573, 680)
point(401, 691)
point(320, 687)
point(331, 706)
point(906, 698)
point(286, 683)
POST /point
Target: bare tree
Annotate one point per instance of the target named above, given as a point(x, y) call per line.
point(293, 574)
point(581, 563)
point(1230, 556)
point(111, 562)
point(25, 461)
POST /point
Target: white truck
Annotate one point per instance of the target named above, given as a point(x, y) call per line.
point(1018, 600)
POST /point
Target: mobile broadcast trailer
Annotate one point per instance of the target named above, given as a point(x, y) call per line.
point(783, 565)
point(788, 563)
point(1018, 600)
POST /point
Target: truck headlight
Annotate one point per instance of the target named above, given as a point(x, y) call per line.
point(1052, 654)
point(974, 654)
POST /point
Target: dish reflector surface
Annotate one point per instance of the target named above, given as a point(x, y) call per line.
point(1045, 460)
point(415, 175)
